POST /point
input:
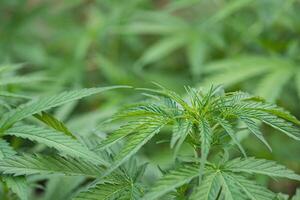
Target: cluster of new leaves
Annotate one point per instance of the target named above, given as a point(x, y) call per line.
point(205, 120)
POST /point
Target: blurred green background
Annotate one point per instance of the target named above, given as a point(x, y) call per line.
point(249, 45)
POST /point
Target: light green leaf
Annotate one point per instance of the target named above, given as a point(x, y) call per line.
point(53, 189)
point(21, 79)
point(254, 128)
point(172, 180)
point(53, 123)
point(231, 72)
point(136, 141)
point(52, 138)
point(196, 53)
point(209, 188)
point(14, 95)
point(18, 185)
point(229, 191)
point(228, 128)
point(272, 84)
point(206, 139)
point(282, 125)
point(105, 191)
point(161, 49)
point(5, 149)
point(121, 133)
point(39, 164)
point(45, 103)
point(181, 129)
point(260, 166)
point(251, 188)
point(229, 9)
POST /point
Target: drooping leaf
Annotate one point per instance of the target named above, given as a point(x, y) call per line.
point(14, 95)
point(45, 103)
point(280, 124)
point(41, 164)
point(22, 79)
point(254, 128)
point(52, 138)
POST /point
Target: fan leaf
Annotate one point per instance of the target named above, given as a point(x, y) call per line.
point(45, 103)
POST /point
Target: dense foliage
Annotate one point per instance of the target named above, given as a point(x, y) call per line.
point(82, 119)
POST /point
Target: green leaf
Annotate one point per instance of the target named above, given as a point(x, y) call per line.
point(181, 129)
point(5, 149)
point(40, 164)
point(196, 53)
point(54, 189)
point(18, 185)
point(51, 121)
point(232, 75)
point(228, 128)
point(161, 49)
point(52, 138)
point(280, 124)
point(14, 95)
point(228, 9)
point(229, 191)
point(272, 84)
point(209, 188)
point(206, 139)
point(260, 166)
point(137, 140)
point(172, 180)
point(171, 95)
point(254, 128)
point(106, 191)
point(45, 103)
point(269, 108)
point(121, 133)
point(271, 115)
point(10, 67)
point(21, 79)
point(251, 188)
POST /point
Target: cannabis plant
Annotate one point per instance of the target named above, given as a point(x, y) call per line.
point(209, 121)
